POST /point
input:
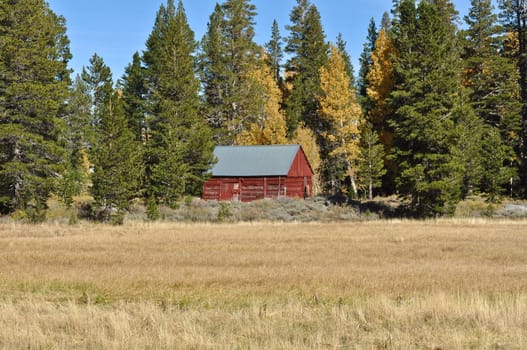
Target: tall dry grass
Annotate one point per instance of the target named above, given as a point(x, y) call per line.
point(380, 285)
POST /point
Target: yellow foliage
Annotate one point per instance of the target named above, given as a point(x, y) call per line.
point(339, 107)
point(270, 127)
point(306, 138)
point(381, 78)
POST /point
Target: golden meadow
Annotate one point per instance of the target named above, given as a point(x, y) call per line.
point(445, 284)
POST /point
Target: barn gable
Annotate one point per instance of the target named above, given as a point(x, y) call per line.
point(255, 172)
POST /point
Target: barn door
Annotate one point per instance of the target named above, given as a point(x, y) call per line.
point(226, 191)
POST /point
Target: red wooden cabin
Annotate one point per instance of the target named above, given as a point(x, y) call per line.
point(247, 173)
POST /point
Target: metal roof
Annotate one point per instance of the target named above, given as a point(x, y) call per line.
point(273, 160)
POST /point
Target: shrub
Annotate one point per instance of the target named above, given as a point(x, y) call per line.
point(224, 212)
point(152, 210)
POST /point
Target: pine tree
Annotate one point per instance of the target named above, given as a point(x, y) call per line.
point(366, 62)
point(426, 102)
point(135, 90)
point(215, 75)
point(179, 148)
point(76, 140)
point(341, 45)
point(275, 52)
point(115, 154)
point(339, 108)
point(513, 17)
point(117, 162)
point(370, 165)
point(491, 78)
point(494, 173)
point(98, 78)
point(308, 49)
point(467, 150)
point(229, 55)
point(34, 79)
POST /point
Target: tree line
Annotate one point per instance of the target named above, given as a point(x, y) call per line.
point(437, 112)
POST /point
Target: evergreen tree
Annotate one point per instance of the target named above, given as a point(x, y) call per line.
point(76, 141)
point(386, 22)
point(117, 162)
point(229, 55)
point(494, 173)
point(214, 75)
point(467, 151)
point(426, 102)
point(370, 167)
point(309, 52)
point(114, 153)
point(341, 45)
point(491, 78)
point(275, 52)
point(134, 97)
point(179, 148)
point(366, 62)
point(98, 79)
point(340, 110)
point(514, 18)
point(34, 79)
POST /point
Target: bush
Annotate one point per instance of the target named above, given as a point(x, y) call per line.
point(35, 214)
point(152, 210)
point(224, 212)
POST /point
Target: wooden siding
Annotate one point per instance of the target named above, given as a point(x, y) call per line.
point(300, 166)
point(253, 188)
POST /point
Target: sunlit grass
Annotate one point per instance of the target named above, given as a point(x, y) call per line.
point(449, 284)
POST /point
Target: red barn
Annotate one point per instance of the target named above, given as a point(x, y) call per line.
point(248, 173)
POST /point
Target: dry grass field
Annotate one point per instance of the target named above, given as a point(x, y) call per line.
point(447, 284)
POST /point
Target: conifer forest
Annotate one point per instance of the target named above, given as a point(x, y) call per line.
point(436, 111)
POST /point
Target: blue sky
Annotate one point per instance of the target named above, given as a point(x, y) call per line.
point(115, 29)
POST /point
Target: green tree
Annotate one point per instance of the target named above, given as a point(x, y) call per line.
point(117, 162)
point(114, 153)
point(492, 79)
point(426, 101)
point(341, 45)
point(275, 52)
point(98, 79)
point(214, 75)
point(135, 91)
point(495, 174)
point(229, 54)
point(365, 62)
point(75, 139)
point(34, 79)
point(370, 167)
point(514, 19)
point(306, 44)
point(467, 151)
point(179, 148)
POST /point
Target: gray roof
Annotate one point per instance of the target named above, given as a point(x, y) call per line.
point(273, 160)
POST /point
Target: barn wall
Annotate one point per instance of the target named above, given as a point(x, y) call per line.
point(300, 166)
point(253, 188)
